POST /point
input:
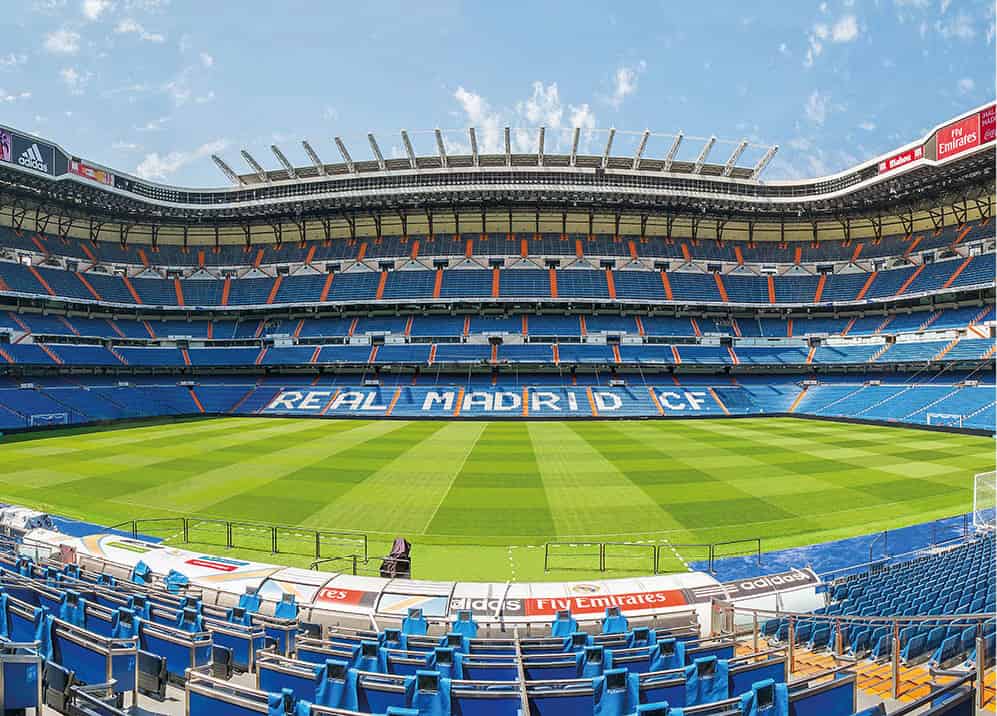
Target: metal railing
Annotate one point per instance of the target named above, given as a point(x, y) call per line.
point(652, 552)
point(725, 621)
point(260, 536)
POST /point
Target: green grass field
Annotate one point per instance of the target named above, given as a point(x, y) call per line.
point(479, 499)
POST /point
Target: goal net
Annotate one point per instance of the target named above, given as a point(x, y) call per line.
point(984, 506)
point(949, 420)
point(42, 419)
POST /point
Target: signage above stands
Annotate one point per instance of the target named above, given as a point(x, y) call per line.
point(750, 588)
point(965, 134)
point(901, 159)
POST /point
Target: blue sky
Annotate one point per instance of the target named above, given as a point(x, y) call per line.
point(154, 87)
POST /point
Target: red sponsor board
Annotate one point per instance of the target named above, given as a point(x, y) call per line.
point(597, 603)
point(958, 137)
point(220, 566)
point(901, 159)
point(93, 173)
point(335, 595)
point(988, 129)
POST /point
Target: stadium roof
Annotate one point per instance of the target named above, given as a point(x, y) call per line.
point(951, 165)
point(471, 158)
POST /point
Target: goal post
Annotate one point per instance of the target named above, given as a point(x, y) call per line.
point(38, 420)
point(949, 420)
point(984, 506)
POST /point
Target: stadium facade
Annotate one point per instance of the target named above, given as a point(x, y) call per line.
point(505, 285)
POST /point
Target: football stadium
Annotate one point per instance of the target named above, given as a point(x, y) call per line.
point(572, 430)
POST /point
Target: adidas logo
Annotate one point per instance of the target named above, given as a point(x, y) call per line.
point(32, 159)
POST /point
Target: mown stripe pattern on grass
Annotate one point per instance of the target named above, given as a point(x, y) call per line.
point(788, 481)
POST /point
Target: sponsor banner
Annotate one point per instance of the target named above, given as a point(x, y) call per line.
point(988, 126)
point(32, 154)
point(901, 159)
point(80, 168)
point(432, 606)
point(529, 402)
point(485, 606)
point(105, 545)
point(958, 137)
point(487, 599)
point(598, 603)
point(304, 584)
point(131, 546)
point(5, 149)
point(218, 563)
point(339, 597)
point(784, 581)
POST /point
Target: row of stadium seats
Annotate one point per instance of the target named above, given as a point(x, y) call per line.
point(566, 354)
point(368, 285)
point(959, 580)
point(53, 402)
point(495, 244)
point(523, 324)
point(121, 638)
point(82, 643)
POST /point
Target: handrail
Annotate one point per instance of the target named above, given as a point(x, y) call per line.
point(930, 697)
point(185, 522)
point(893, 559)
point(524, 699)
point(721, 605)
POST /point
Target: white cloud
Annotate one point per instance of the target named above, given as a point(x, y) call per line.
point(13, 96)
point(11, 60)
point(330, 113)
point(487, 123)
point(178, 90)
point(127, 26)
point(817, 107)
point(153, 125)
point(845, 30)
point(867, 125)
point(783, 49)
point(156, 166)
point(965, 85)
point(93, 9)
point(147, 5)
point(544, 107)
point(63, 42)
point(625, 83)
point(957, 27)
point(48, 6)
point(207, 60)
point(582, 117)
point(123, 146)
point(74, 80)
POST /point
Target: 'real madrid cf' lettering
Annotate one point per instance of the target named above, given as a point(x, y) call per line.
point(434, 399)
point(552, 402)
point(688, 400)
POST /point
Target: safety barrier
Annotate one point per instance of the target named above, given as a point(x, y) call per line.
point(645, 557)
point(727, 618)
point(257, 536)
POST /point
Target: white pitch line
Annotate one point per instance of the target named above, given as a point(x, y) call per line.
point(453, 479)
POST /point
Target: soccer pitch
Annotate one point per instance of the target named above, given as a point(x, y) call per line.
point(478, 500)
